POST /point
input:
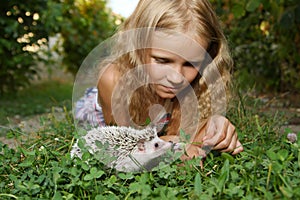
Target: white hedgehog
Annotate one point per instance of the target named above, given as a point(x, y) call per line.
point(132, 149)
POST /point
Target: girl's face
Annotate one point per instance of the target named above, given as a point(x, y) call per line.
point(174, 62)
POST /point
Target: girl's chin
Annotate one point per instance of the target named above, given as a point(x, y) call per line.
point(165, 92)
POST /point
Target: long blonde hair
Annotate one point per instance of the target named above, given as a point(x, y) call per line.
point(195, 17)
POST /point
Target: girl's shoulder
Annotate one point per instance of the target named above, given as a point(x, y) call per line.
point(109, 77)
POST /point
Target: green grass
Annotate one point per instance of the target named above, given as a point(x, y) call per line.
point(37, 99)
point(41, 168)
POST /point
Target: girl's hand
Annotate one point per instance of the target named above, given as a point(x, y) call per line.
point(220, 134)
point(217, 134)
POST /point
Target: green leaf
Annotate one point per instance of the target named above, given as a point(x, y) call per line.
point(283, 154)
point(85, 166)
point(28, 153)
point(136, 187)
point(99, 174)
point(198, 185)
point(57, 196)
point(238, 10)
point(56, 176)
point(252, 5)
point(125, 176)
point(228, 157)
point(183, 136)
point(93, 170)
point(86, 156)
point(287, 192)
point(298, 159)
point(272, 155)
point(88, 177)
point(26, 164)
point(94, 173)
point(147, 121)
point(224, 174)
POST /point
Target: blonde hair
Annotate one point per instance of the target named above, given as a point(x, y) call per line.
point(198, 19)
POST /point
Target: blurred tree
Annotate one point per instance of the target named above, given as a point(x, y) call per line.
point(82, 24)
point(22, 33)
point(265, 40)
point(26, 25)
point(264, 36)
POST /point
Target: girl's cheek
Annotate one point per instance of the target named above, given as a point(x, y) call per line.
point(156, 72)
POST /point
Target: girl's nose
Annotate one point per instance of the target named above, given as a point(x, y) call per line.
point(175, 75)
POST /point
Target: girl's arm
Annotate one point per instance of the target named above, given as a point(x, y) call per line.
point(106, 84)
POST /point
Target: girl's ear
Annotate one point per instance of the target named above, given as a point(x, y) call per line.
point(141, 145)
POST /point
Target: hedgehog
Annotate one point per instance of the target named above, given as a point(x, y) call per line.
point(133, 150)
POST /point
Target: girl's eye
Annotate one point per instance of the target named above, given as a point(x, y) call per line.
point(192, 64)
point(156, 145)
point(161, 60)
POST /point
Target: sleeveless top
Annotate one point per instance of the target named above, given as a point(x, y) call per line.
point(89, 113)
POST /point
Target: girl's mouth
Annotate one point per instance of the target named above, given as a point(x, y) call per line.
point(171, 89)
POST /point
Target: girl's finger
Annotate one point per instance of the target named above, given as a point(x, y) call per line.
point(229, 141)
point(231, 145)
point(216, 132)
point(239, 148)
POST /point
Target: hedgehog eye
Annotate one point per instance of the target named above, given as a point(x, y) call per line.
point(156, 145)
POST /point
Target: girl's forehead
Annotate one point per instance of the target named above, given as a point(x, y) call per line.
point(180, 44)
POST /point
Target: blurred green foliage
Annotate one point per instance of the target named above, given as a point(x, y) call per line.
point(27, 25)
point(82, 25)
point(265, 39)
point(21, 32)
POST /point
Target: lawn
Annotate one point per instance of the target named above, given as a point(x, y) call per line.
point(41, 168)
point(39, 98)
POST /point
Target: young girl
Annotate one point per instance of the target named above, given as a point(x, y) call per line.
point(169, 65)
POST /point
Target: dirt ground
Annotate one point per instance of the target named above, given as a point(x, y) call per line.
point(287, 104)
point(28, 125)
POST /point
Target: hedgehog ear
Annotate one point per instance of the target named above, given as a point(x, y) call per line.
point(141, 145)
